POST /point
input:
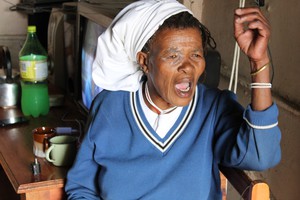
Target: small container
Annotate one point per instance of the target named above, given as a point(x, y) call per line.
point(41, 137)
point(36, 167)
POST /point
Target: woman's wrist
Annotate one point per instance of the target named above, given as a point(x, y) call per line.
point(260, 71)
point(255, 65)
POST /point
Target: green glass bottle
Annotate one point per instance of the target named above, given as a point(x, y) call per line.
point(34, 74)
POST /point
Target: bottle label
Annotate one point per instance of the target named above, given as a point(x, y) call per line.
point(35, 70)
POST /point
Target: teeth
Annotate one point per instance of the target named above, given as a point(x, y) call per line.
point(186, 90)
point(183, 87)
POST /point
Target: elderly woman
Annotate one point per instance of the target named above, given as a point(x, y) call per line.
point(163, 136)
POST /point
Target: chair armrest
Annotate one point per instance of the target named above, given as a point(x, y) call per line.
point(248, 189)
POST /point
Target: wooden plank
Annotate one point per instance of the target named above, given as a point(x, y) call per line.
point(260, 191)
point(53, 194)
point(223, 186)
point(248, 189)
point(238, 179)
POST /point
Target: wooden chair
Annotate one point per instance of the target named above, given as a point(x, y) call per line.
point(248, 188)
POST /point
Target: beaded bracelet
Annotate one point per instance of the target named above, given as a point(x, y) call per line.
point(260, 85)
point(260, 70)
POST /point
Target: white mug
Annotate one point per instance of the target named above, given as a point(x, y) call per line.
point(62, 150)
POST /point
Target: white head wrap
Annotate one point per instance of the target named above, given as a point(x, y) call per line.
point(115, 66)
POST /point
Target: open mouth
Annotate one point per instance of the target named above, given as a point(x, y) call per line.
point(184, 87)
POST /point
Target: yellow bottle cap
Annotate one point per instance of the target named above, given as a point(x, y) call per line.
point(31, 29)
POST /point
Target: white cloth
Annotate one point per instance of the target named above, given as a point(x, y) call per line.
point(115, 66)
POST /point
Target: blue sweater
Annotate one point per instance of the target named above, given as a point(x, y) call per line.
point(122, 158)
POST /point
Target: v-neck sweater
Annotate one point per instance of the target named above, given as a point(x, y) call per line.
point(122, 157)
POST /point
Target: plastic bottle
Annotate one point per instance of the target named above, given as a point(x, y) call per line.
point(34, 74)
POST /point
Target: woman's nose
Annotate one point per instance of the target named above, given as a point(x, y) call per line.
point(186, 66)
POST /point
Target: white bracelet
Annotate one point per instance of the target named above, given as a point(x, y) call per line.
point(260, 85)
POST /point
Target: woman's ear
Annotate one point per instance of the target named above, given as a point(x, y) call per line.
point(142, 61)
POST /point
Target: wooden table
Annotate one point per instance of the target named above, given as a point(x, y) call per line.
point(16, 155)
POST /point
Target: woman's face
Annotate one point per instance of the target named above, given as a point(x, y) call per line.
point(173, 66)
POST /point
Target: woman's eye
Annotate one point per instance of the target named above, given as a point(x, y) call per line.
point(197, 55)
point(173, 56)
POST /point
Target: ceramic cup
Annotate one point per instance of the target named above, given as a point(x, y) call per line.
point(41, 138)
point(62, 150)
